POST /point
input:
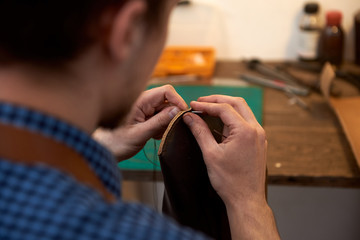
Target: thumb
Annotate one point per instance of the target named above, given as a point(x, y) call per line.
point(201, 132)
point(156, 125)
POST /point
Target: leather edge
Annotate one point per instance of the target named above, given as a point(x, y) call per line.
point(169, 128)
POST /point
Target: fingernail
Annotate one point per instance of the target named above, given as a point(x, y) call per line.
point(188, 119)
point(173, 112)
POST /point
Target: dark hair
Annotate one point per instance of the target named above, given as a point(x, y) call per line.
point(51, 32)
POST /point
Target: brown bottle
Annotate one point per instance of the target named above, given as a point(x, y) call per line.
point(331, 46)
point(357, 38)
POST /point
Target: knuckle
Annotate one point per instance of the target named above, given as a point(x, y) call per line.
point(217, 97)
point(225, 106)
point(249, 134)
point(255, 134)
point(261, 134)
point(252, 133)
point(240, 100)
point(162, 120)
point(168, 88)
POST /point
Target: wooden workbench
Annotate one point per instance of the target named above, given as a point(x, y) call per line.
point(304, 147)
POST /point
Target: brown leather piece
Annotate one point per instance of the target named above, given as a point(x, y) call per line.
point(189, 197)
point(348, 111)
point(22, 146)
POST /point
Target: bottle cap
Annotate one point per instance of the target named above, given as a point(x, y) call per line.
point(333, 18)
point(311, 7)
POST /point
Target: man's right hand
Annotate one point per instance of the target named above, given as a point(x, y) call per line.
point(149, 118)
point(236, 166)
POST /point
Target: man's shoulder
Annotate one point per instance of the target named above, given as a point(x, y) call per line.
point(43, 203)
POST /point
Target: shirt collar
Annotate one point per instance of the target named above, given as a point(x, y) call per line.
point(98, 157)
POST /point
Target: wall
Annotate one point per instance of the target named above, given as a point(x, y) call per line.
point(256, 28)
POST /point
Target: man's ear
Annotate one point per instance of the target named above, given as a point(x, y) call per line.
point(125, 29)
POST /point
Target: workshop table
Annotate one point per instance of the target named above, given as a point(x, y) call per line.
point(304, 147)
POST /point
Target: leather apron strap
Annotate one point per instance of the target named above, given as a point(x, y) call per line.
point(23, 146)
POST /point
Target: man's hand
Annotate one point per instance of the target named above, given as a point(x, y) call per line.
point(237, 166)
point(149, 118)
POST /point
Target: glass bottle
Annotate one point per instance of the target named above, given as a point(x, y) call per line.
point(357, 38)
point(309, 33)
point(331, 47)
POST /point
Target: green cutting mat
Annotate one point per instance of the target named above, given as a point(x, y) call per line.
point(147, 158)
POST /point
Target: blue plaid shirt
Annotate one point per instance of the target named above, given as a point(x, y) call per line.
point(41, 202)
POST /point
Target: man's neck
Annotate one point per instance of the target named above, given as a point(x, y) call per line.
point(65, 99)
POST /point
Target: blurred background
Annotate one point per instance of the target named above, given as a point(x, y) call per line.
point(268, 30)
point(243, 29)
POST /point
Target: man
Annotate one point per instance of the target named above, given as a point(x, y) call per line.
point(67, 67)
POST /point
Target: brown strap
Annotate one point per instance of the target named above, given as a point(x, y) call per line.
point(23, 146)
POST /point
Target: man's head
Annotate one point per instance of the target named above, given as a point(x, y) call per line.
point(55, 31)
point(116, 40)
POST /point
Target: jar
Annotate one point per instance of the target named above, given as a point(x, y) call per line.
point(309, 33)
point(331, 46)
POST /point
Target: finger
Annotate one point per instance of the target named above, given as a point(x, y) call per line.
point(201, 132)
point(166, 93)
point(158, 123)
point(238, 103)
point(226, 112)
point(163, 106)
